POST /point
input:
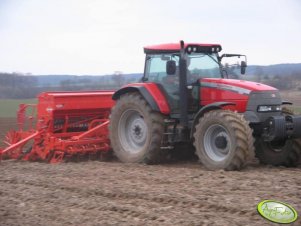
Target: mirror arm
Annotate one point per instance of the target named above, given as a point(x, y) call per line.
point(232, 55)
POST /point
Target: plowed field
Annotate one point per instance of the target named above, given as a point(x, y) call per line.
point(112, 193)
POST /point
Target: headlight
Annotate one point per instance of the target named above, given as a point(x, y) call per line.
point(267, 108)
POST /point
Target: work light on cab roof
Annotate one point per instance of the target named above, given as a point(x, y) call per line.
point(189, 48)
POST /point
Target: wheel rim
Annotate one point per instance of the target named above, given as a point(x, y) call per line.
point(217, 143)
point(132, 131)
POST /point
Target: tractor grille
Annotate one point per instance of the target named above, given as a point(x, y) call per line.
point(266, 98)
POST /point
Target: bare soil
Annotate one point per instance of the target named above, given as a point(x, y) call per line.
point(113, 193)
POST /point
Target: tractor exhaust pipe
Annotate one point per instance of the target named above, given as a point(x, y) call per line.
point(183, 87)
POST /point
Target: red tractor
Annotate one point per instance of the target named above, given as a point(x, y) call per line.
point(185, 96)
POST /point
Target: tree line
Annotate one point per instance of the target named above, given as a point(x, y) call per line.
point(16, 85)
point(22, 86)
point(281, 81)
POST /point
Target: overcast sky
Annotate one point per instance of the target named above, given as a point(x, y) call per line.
point(103, 36)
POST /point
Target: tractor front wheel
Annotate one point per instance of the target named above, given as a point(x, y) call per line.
point(136, 131)
point(286, 153)
point(223, 140)
point(279, 153)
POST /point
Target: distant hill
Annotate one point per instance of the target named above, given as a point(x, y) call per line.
point(57, 80)
point(276, 69)
point(251, 72)
point(16, 85)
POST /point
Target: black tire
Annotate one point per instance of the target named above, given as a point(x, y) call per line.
point(228, 132)
point(285, 153)
point(136, 131)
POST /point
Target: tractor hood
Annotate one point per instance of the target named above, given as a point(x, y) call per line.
point(240, 86)
point(244, 94)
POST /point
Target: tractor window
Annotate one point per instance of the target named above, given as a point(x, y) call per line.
point(156, 67)
point(203, 66)
point(199, 65)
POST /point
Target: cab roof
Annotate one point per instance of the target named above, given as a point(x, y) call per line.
point(175, 47)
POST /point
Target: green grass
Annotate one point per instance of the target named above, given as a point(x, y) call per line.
point(297, 109)
point(9, 107)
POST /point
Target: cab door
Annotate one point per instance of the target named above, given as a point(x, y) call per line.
point(193, 93)
point(155, 71)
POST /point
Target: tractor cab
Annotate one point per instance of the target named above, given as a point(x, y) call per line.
point(162, 66)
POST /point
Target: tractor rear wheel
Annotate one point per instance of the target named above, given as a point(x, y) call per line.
point(136, 131)
point(223, 140)
point(282, 153)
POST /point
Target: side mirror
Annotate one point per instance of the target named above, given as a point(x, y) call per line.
point(171, 67)
point(243, 66)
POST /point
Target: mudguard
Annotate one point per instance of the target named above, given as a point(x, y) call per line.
point(150, 92)
point(209, 107)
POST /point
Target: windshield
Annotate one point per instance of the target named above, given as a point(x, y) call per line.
point(199, 65)
point(203, 65)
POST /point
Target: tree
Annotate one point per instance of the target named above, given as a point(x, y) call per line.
point(258, 73)
point(118, 79)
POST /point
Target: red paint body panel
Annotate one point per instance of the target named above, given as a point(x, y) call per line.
point(74, 101)
point(156, 93)
point(252, 86)
point(211, 95)
point(221, 92)
point(60, 104)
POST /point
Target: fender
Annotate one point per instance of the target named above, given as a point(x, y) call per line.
point(150, 92)
point(205, 109)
